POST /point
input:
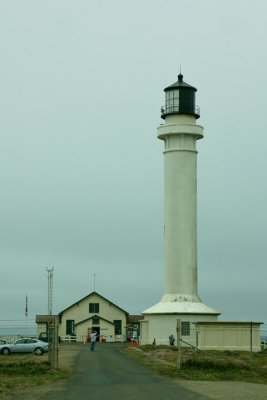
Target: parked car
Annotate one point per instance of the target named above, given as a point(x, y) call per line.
point(43, 336)
point(25, 345)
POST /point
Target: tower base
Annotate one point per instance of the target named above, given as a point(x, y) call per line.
point(160, 321)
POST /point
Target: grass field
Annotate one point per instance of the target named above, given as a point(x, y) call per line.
point(196, 365)
point(18, 372)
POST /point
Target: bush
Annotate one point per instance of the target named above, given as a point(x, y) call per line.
point(218, 365)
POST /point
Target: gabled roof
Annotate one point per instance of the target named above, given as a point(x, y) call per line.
point(93, 294)
point(94, 316)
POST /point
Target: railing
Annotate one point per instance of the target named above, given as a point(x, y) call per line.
point(179, 110)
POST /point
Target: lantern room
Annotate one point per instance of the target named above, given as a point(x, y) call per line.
point(180, 99)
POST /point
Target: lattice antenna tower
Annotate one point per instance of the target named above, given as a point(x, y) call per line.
point(50, 289)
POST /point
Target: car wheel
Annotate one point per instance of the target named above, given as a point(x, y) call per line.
point(39, 351)
point(5, 351)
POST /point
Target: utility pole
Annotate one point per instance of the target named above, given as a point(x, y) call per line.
point(53, 323)
point(50, 289)
point(178, 330)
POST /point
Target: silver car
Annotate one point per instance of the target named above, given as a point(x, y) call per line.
point(25, 345)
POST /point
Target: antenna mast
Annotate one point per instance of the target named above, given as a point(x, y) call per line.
point(50, 289)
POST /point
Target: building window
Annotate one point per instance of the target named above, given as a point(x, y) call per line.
point(95, 321)
point(70, 327)
point(117, 326)
point(93, 308)
point(185, 328)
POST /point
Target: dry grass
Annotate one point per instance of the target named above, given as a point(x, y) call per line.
point(195, 365)
point(19, 372)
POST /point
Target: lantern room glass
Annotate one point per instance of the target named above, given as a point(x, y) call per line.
point(172, 101)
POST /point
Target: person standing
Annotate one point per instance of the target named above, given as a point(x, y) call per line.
point(171, 339)
point(93, 337)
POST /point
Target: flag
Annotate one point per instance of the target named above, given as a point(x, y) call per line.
point(26, 307)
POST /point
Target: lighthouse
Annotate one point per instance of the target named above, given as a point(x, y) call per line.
point(180, 300)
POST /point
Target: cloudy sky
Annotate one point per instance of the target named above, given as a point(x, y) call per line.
point(81, 86)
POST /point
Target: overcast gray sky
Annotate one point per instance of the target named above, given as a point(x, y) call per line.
point(81, 86)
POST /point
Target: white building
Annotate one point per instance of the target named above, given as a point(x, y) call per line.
point(92, 312)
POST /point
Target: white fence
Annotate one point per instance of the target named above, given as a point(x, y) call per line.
point(68, 338)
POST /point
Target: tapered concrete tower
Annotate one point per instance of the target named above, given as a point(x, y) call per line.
point(180, 134)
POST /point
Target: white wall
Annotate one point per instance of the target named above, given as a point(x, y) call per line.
point(161, 326)
point(225, 336)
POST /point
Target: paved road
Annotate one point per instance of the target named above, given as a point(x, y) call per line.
point(108, 374)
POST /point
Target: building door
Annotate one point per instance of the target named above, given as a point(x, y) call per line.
point(97, 330)
point(94, 329)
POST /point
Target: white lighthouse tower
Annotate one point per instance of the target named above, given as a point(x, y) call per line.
point(180, 300)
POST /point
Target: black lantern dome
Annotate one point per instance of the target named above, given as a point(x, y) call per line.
point(180, 99)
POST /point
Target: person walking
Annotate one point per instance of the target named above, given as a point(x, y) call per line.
point(93, 337)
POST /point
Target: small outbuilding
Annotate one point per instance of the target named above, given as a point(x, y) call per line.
point(133, 327)
point(228, 335)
